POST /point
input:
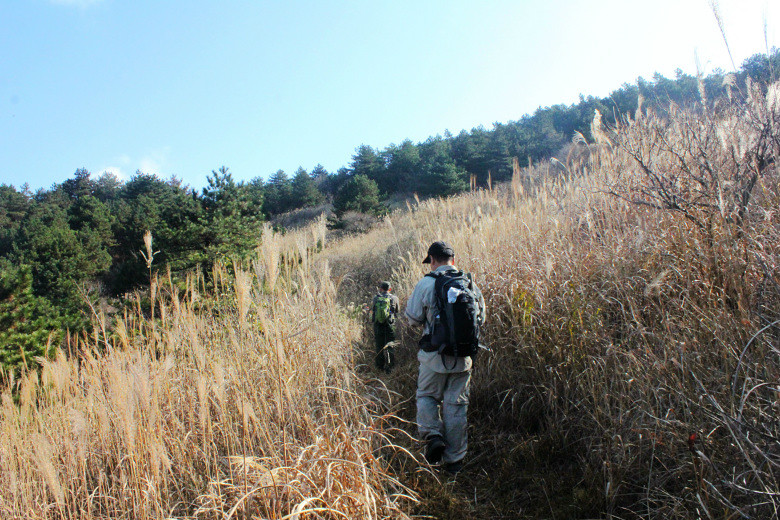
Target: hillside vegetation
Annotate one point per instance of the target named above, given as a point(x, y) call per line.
point(79, 240)
point(634, 323)
point(236, 402)
point(634, 303)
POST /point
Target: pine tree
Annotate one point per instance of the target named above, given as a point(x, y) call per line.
point(172, 213)
point(359, 194)
point(29, 326)
point(304, 190)
point(403, 167)
point(278, 194)
point(13, 207)
point(443, 177)
point(369, 163)
point(232, 220)
point(319, 172)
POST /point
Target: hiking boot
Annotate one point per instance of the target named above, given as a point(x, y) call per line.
point(453, 468)
point(435, 449)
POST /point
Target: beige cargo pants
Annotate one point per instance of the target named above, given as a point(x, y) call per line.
point(442, 402)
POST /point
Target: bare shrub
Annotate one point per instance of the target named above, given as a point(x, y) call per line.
point(299, 218)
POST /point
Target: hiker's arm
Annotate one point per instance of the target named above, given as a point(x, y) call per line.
point(481, 299)
point(415, 310)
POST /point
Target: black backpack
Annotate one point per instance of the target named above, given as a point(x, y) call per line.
point(455, 330)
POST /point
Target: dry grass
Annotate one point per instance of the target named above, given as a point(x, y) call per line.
point(634, 368)
point(237, 404)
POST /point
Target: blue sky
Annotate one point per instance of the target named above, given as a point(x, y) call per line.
point(181, 88)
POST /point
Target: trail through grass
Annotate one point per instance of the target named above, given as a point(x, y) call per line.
point(633, 303)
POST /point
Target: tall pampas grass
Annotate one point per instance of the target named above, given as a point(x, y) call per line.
point(239, 403)
point(632, 370)
point(633, 320)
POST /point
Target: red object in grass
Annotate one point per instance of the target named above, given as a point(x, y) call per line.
point(692, 438)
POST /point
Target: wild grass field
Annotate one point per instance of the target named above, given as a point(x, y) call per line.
point(633, 295)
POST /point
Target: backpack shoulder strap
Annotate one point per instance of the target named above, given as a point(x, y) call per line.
point(442, 278)
point(439, 278)
point(447, 274)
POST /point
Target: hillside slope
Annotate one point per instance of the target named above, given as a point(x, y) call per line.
point(633, 305)
point(633, 323)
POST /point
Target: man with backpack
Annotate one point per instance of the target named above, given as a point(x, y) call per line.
point(384, 309)
point(451, 309)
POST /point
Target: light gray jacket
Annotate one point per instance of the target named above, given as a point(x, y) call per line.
point(421, 310)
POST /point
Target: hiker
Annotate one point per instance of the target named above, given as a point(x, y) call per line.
point(445, 371)
point(384, 309)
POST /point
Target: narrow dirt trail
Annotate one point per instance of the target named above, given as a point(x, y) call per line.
point(507, 473)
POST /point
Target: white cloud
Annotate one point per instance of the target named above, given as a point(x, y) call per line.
point(150, 165)
point(154, 162)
